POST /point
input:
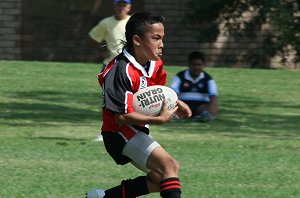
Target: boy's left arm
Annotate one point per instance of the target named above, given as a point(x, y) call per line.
point(213, 106)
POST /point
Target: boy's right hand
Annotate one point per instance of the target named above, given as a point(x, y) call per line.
point(165, 114)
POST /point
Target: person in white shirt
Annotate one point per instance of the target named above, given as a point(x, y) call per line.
point(111, 30)
point(197, 88)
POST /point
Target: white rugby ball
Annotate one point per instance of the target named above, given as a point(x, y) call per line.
point(148, 101)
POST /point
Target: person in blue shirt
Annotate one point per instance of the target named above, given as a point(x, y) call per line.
point(197, 88)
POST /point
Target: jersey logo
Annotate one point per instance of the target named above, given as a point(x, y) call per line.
point(143, 82)
point(186, 85)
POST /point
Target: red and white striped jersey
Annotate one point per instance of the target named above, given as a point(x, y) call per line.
point(120, 79)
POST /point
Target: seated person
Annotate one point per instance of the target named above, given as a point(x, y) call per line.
point(197, 88)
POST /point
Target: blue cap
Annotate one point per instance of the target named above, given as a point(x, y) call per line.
point(126, 1)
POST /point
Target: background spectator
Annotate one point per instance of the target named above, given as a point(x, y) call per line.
point(196, 87)
point(111, 29)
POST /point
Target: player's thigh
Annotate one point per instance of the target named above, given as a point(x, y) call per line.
point(139, 148)
point(160, 160)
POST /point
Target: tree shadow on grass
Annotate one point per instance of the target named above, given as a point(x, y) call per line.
point(60, 141)
point(56, 138)
point(247, 117)
point(48, 106)
point(240, 117)
point(87, 98)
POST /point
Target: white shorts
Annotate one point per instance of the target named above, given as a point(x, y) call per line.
point(139, 148)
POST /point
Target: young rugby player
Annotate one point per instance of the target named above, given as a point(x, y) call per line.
point(125, 135)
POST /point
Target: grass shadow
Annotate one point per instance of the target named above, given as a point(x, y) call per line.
point(49, 106)
point(55, 138)
point(247, 116)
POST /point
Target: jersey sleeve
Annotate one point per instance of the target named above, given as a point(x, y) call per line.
point(212, 88)
point(175, 84)
point(99, 32)
point(117, 90)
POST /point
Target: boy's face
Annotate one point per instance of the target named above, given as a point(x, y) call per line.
point(196, 66)
point(122, 9)
point(151, 44)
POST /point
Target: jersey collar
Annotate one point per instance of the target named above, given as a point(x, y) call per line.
point(189, 77)
point(138, 66)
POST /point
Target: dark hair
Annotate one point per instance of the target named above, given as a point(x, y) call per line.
point(196, 55)
point(137, 23)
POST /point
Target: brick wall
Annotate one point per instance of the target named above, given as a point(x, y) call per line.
point(181, 39)
point(10, 29)
point(58, 31)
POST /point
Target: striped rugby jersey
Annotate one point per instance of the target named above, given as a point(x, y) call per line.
point(189, 89)
point(120, 79)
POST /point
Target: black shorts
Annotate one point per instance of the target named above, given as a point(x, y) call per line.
point(114, 144)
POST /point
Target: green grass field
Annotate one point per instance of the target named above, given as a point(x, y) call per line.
point(50, 115)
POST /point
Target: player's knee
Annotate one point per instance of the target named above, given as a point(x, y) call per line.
point(171, 166)
point(176, 166)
